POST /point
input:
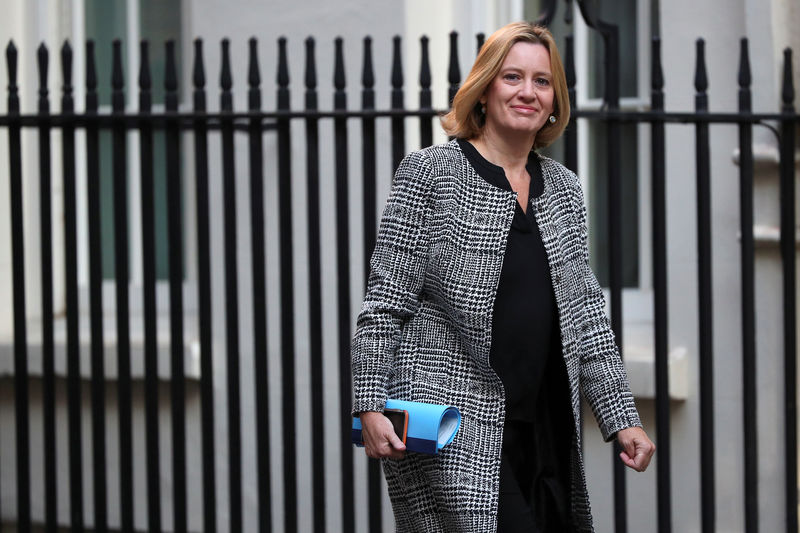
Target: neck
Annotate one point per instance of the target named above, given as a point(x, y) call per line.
point(509, 151)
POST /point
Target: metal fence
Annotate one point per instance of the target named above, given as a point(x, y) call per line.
point(254, 123)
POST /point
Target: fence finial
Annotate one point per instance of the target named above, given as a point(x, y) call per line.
point(397, 66)
point(700, 75)
point(424, 75)
point(253, 76)
point(367, 73)
point(170, 77)
point(744, 77)
point(338, 65)
point(569, 62)
point(453, 71)
point(480, 38)
point(117, 78)
point(225, 78)
point(91, 79)
point(311, 65)
point(198, 71)
point(787, 92)
point(145, 83)
point(283, 64)
point(13, 91)
point(42, 59)
point(67, 104)
point(656, 76)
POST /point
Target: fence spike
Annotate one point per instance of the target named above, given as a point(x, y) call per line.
point(42, 59)
point(700, 75)
point(66, 74)
point(453, 71)
point(480, 38)
point(311, 65)
point(368, 74)
point(145, 82)
point(568, 13)
point(13, 90)
point(91, 79)
point(424, 67)
point(117, 79)
point(253, 74)
point(744, 64)
point(397, 65)
point(198, 71)
point(569, 62)
point(787, 92)
point(225, 77)
point(283, 64)
point(170, 69)
point(656, 71)
point(283, 75)
point(338, 68)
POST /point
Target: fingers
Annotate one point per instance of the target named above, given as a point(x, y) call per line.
point(380, 440)
point(637, 448)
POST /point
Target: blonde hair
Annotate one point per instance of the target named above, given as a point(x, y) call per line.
point(465, 119)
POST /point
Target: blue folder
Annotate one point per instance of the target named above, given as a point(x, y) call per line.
point(430, 426)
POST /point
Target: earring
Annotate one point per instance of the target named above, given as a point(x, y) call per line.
point(483, 109)
point(552, 119)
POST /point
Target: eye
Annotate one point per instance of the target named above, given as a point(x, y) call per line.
point(542, 82)
point(511, 76)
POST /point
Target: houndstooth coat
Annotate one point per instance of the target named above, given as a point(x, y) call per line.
point(424, 331)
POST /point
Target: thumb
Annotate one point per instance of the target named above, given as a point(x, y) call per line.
point(395, 441)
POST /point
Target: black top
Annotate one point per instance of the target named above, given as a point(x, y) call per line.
point(526, 355)
point(525, 332)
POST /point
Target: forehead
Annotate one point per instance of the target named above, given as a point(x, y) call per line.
point(528, 56)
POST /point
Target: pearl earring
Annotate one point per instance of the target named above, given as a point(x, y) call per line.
point(483, 109)
point(552, 119)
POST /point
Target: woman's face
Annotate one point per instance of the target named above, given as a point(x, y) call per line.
point(520, 98)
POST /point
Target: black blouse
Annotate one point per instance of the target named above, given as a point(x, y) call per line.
point(526, 355)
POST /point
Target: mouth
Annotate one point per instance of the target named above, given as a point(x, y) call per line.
point(524, 109)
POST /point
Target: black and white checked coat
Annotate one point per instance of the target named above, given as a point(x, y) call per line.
point(424, 331)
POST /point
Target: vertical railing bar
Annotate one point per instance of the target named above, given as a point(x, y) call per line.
point(343, 287)
point(175, 244)
point(749, 384)
point(398, 123)
point(315, 291)
point(789, 260)
point(571, 133)
point(258, 264)
point(124, 391)
point(95, 299)
point(610, 34)
point(71, 270)
point(425, 96)
point(705, 324)
point(231, 294)
point(152, 455)
point(20, 326)
point(48, 343)
point(204, 293)
point(287, 295)
point(660, 296)
point(368, 163)
point(480, 38)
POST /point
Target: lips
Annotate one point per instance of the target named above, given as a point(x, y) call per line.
point(524, 109)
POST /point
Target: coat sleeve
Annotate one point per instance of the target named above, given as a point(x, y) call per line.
point(603, 377)
point(397, 272)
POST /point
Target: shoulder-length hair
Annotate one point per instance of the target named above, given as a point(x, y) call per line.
point(465, 119)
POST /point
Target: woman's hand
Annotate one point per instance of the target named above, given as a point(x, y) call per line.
point(637, 448)
point(379, 437)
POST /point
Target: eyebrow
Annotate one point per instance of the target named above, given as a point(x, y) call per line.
point(539, 73)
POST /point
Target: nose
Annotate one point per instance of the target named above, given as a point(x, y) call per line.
point(528, 90)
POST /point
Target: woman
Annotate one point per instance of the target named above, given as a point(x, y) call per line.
point(481, 296)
